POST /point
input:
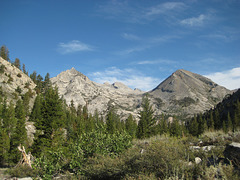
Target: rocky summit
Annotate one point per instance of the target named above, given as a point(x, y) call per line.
point(73, 85)
point(187, 93)
point(182, 93)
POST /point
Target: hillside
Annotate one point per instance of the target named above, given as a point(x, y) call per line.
point(226, 114)
point(14, 83)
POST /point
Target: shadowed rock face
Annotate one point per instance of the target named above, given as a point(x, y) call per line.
point(183, 92)
point(188, 93)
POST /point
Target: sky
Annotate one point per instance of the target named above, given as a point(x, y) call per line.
point(137, 42)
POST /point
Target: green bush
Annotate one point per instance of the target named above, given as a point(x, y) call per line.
point(18, 90)
point(19, 75)
point(22, 171)
point(2, 69)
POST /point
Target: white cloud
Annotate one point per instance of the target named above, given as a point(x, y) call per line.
point(229, 79)
point(73, 46)
point(195, 21)
point(129, 77)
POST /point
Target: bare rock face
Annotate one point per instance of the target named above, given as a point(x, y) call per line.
point(187, 93)
point(13, 80)
point(183, 92)
point(75, 86)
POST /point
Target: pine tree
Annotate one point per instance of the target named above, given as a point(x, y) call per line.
point(4, 147)
point(131, 126)
point(33, 76)
point(211, 122)
point(20, 134)
point(26, 99)
point(147, 120)
point(47, 83)
point(200, 124)
point(225, 127)
point(110, 122)
point(193, 127)
point(24, 69)
point(39, 83)
point(217, 121)
point(4, 53)
point(52, 119)
point(229, 124)
point(9, 120)
point(175, 128)
point(36, 114)
point(237, 114)
point(17, 63)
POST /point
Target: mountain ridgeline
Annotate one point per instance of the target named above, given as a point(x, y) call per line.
point(182, 93)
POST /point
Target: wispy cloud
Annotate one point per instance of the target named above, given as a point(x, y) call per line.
point(159, 61)
point(229, 79)
point(129, 77)
point(133, 50)
point(130, 36)
point(145, 43)
point(226, 34)
point(195, 21)
point(128, 12)
point(165, 8)
point(73, 46)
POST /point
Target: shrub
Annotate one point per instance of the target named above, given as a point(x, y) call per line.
point(22, 171)
point(18, 90)
point(10, 80)
point(19, 75)
point(2, 69)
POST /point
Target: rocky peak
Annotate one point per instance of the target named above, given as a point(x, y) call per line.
point(189, 91)
point(73, 85)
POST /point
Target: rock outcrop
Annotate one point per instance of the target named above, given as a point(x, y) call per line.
point(14, 83)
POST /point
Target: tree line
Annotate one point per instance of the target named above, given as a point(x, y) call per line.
point(225, 116)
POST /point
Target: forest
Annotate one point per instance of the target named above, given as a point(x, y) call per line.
point(72, 142)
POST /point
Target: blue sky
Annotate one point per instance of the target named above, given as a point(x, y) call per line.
point(137, 42)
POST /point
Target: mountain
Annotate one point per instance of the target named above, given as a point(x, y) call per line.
point(14, 83)
point(183, 92)
point(188, 93)
point(73, 85)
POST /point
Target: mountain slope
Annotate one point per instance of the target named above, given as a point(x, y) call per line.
point(14, 83)
point(188, 93)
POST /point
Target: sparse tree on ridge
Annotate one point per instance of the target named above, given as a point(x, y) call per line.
point(4, 53)
point(17, 63)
